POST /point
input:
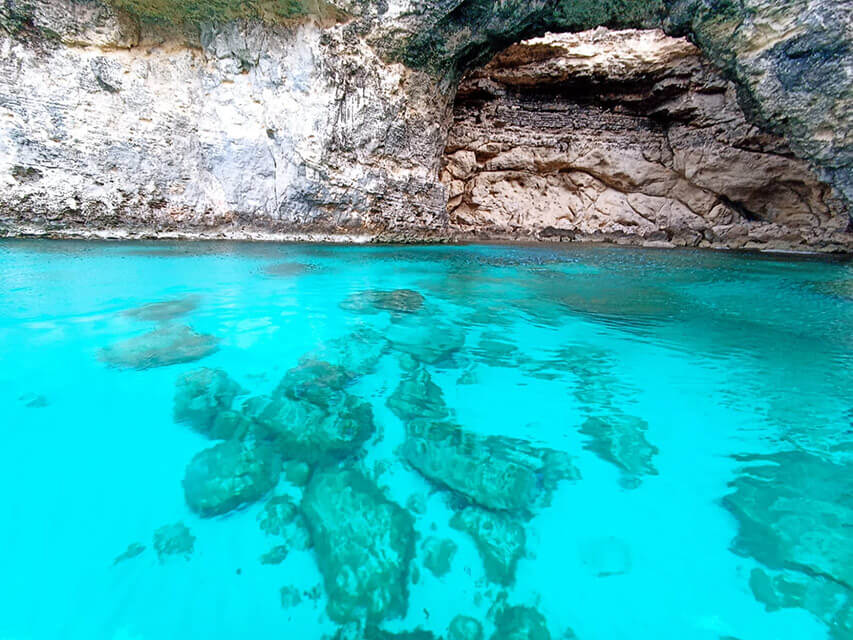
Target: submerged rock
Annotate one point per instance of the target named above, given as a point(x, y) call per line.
point(499, 538)
point(203, 399)
point(171, 344)
point(133, 550)
point(795, 516)
point(520, 623)
point(396, 301)
point(229, 476)
point(315, 381)
point(496, 472)
point(290, 597)
point(621, 440)
point(174, 539)
point(822, 597)
point(281, 517)
point(465, 628)
point(438, 555)
point(296, 472)
point(34, 400)
point(359, 351)
point(417, 396)
point(364, 544)
point(285, 269)
point(429, 341)
point(308, 432)
point(276, 555)
point(165, 310)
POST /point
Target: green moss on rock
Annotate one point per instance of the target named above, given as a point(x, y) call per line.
point(197, 11)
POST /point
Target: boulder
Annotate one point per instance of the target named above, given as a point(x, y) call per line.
point(167, 345)
point(364, 545)
point(230, 475)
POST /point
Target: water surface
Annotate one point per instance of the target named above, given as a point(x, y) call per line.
point(657, 444)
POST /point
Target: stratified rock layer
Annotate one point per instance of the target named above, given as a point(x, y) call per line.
point(626, 136)
point(328, 119)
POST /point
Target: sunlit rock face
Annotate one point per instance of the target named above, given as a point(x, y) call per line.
point(240, 129)
point(333, 123)
point(628, 136)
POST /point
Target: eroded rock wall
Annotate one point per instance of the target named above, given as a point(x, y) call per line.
point(333, 124)
point(251, 131)
point(626, 136)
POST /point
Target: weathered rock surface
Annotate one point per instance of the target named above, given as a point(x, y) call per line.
point(228, 476)
point(170, 344)
point(203, 399)
point(499, 538)
point(123, 123)
point(627, 136)
point(496, 472)
point(174, 539)
point(364, 544)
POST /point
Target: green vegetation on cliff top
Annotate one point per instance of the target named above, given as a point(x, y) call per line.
point(182, 11)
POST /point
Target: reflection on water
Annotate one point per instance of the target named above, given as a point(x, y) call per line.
point(224, 440)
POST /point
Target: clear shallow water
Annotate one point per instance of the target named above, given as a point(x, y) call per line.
point(685, 420)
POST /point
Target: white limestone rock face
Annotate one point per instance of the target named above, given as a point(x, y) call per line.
point(260, 130)
point(336, 127)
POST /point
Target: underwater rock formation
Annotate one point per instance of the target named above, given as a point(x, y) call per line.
point(315, 381)
point(344, 114)
point(824, 598)
point(165, 310)
point(427, 342)
point(438, 555)
point(499, 538)
point(396, 301)
point(308, 432)
point(276, 555)
point(228, 476)
point(795, 516)
point(620, 439)
point(496, 472)
point(364, 544)
point(174, 539)
point(521, 623)
point(171, 344)
point(133, 550)
point(203, 399)
point(359, 351)
point(465, 628)
point(417, 396)
point(281, 517)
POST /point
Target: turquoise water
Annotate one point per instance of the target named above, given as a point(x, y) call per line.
point(610, 443)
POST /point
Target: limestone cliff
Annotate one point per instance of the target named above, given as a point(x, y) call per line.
point(627, 136)
point(281, 118)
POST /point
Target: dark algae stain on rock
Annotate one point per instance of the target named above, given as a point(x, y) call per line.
point(364, 544)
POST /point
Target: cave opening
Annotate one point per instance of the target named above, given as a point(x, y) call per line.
point(629, 136)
